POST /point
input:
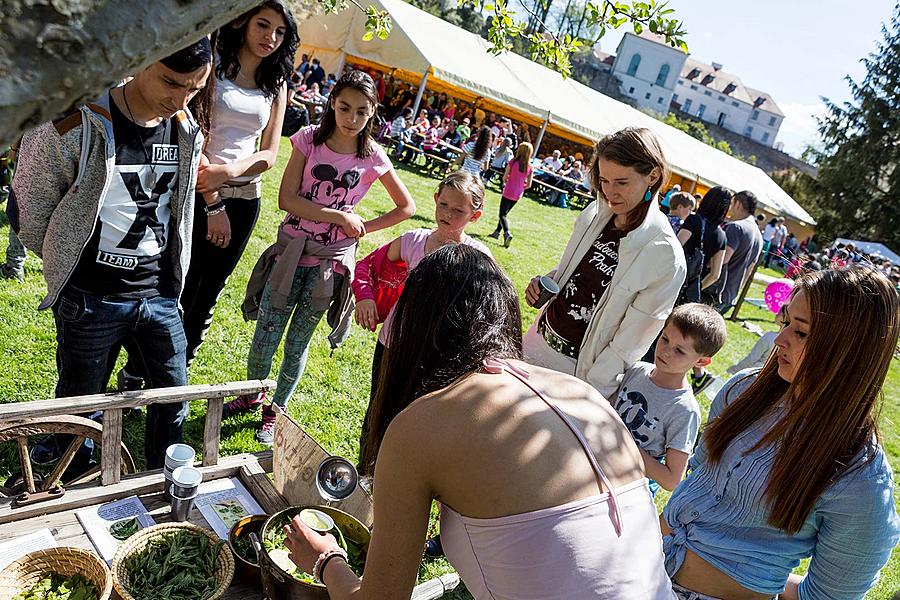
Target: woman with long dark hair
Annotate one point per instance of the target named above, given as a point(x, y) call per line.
point(790, 465)
point(254, 61)
point(541, 485)
point(477, 153)
point(620, 272)
point(704, 242)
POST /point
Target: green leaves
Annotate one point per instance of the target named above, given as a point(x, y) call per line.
point(378, 24)
point(506, 26)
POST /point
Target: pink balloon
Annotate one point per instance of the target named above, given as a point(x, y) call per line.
point(778, 293)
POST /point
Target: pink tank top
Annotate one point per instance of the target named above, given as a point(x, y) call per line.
point(605, 546)
point(515, 185)
point(412, 251)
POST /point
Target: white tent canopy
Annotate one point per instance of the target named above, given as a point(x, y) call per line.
point(424, 44)
point(871, 248)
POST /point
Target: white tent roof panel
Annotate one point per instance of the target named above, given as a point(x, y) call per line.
point(421, 41)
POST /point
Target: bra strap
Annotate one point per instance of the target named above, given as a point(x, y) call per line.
point(496, 366)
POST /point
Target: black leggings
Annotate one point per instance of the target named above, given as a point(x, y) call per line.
point(506, 205)
point(209, 270)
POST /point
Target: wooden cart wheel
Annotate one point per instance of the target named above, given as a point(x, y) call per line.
point(81, 428)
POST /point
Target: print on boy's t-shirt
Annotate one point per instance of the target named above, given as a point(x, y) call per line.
point(125, 256)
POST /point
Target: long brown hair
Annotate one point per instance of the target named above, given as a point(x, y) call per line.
point(457, 308)
point(832, 400)
point(523, 156)
point(362, 83)
point(634, 147)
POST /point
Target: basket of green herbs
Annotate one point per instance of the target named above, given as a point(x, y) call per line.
point(173, 561)
point(56, 574)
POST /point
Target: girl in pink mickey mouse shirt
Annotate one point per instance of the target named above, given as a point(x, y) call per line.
point(331, 168)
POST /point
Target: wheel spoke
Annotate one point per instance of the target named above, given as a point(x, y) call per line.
point(64, 462)
point(25, 462)
point(85, 477)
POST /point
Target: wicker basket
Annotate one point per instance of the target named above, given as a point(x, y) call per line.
point(138, 541)
point(26, 572)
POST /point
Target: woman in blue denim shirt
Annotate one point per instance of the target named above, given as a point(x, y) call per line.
point(790, 466)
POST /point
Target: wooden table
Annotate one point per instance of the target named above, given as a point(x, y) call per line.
point(277, 479)
point(67, 530)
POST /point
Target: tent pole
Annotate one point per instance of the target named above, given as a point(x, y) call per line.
point(420, 94)
point(540, 137)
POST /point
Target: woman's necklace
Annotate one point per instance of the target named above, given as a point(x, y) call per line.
point(147, 155)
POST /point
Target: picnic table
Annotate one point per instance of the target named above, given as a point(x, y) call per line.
point(433, 162)
point(277, 479)
point(576, 196)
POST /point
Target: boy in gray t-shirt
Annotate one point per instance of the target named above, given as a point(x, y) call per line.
point(655, 401)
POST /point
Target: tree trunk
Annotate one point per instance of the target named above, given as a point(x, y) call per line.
point(56, 54)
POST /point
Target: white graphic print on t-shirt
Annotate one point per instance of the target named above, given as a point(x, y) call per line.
point(134, 218)
point(604, 257)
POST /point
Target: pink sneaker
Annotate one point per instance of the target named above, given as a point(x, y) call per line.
point(266, 433)
point(242, 404)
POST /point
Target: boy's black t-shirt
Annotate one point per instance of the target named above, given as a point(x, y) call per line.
point(128, 253)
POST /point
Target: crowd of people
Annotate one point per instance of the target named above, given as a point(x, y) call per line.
point(544, 450)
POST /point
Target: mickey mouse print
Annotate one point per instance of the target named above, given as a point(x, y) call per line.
point(332, 180)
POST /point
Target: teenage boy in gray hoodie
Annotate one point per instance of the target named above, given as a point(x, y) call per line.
point(106, 198)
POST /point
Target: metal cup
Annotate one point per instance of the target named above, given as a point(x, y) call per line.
point(181, 507)
point(177, 455)
point(549, 288)
point(185, 481)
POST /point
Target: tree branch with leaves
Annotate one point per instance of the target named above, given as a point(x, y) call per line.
point(555, 48)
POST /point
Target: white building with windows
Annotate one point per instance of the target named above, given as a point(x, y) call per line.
point(646, 66)
point(648, 70)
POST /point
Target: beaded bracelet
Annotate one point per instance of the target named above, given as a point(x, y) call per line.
point(215, 211)
point(323, 559)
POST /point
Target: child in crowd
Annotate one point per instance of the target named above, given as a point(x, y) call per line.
point(502, 155)
point(681, 205)
point(517, 178)
point(331, 168)
point(400, 127)
point(656, 401)
point(379, 278)
point(477, 153)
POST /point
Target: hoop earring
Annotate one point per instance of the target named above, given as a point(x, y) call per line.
point(648, 196)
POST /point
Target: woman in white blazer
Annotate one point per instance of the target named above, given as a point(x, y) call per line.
point(619, 274)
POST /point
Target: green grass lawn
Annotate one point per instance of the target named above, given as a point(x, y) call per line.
point(331, 398)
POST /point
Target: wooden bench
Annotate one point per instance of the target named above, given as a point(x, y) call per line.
point(546, 189)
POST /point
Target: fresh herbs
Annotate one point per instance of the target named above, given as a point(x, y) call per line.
point(124, 529)
point(57, 587)
point(243, 547)
point(275, 548)
point(174, 566)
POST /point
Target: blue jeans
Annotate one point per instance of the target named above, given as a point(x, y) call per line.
point(270, 326)
point(90, 330)
point(15, 253)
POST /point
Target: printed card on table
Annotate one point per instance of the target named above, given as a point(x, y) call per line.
point(111, 524)
point(224, 502)
point(18, 547)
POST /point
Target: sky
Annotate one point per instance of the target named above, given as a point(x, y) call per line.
point(796, 50)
